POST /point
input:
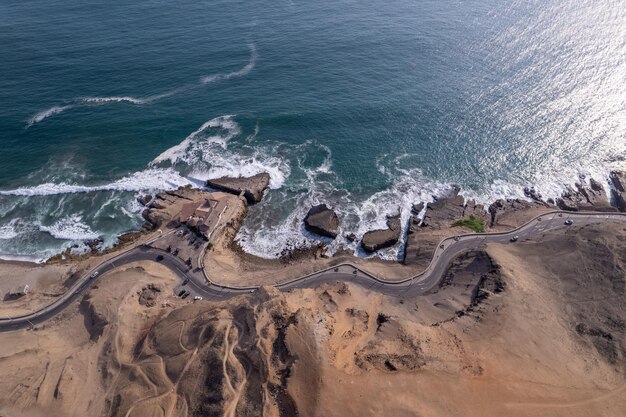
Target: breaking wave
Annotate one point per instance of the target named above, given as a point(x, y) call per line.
point(148, 180)
point(206, 154)
point(70, 228)
point(8, 231)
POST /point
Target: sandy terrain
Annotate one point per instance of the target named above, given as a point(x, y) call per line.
point(521, 330)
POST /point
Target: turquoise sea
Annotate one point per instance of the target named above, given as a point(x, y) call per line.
point(369, 106)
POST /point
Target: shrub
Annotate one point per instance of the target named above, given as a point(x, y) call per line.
point(472, 222)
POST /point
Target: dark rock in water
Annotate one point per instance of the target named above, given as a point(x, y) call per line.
point(144, 200)
point(595, 185)
point(417, 209)
point(322, 221)
point(618, 180)
point(94, 244)
point(378, 239)
point(351, 237)
point(532, 193)
point(251, 187)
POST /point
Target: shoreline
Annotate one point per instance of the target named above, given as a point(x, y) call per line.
point(346, 248)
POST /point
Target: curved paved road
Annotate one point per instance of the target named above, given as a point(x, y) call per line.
point(195, 280)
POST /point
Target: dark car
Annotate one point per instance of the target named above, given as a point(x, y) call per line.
point(159, 258)
point(185, 295)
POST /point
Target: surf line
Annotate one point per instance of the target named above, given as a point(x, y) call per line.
point(97, 101)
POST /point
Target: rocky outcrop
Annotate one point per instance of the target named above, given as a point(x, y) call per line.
point(509, 207)
point(618, 180)
point(533, 194)
point(583, 197)
point(446, 209)
point(251, 187)
point(378, 239)
point(322, 221)
point(144, 200)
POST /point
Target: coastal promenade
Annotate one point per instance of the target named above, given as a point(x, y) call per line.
point(198, 282)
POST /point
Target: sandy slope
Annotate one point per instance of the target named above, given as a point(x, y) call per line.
point(522, 330)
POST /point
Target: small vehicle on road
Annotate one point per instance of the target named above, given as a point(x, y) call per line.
point(181, 292)
point(568, 222)
point(197, 298)
point(186, 281)
point(159, 258)
point(514, 238)
point(185, 295)
point(95, 274)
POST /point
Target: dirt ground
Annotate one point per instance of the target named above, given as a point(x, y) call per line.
point(519, 330)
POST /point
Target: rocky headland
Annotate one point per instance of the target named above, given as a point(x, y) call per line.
point(253, 188)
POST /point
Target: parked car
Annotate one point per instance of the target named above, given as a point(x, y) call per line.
point(95, 274)
point(185, 295)
point(514, 238)
point(568, 222)
point(197, 298)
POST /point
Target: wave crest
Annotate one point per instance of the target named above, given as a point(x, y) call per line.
point(42, 115)
point(240, 73)
point(114, 99)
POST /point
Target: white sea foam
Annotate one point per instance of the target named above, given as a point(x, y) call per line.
point(42, 115)
point(114, 99)
point(70, 228)
point(150, 179)
point(8, 231)
point(206, 153)
point(239, 73)
point(187, 150)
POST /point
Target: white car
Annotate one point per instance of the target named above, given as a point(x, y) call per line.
point(95, 274)
point(568, 222)
point(197, 298)
point(514, 238)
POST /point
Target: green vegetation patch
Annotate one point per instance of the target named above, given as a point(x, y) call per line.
point(472, 222)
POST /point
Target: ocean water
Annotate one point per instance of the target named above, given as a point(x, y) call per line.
point(369, 106)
